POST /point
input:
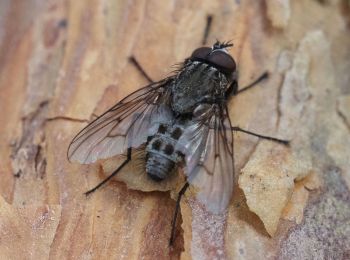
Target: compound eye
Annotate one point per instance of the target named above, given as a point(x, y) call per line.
point(222, 60)
point(201, 53)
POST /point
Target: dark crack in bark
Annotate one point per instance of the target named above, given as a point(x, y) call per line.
point(279, 98)
point(66, 118)
point(344, 119)
point(28, 153)
point(247, 158)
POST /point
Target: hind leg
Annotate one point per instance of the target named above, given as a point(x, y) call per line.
point(177, 207)
point(128, 158)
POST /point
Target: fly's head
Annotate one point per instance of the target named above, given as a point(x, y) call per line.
point(205, 77)
point(216, 56)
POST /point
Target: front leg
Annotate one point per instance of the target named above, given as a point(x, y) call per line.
point(233, 90)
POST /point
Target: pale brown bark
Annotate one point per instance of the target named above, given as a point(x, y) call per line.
point(68, 59)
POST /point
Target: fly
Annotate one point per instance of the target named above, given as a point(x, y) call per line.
point(181, 121)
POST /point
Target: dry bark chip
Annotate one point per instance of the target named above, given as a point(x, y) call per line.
point(268, 181)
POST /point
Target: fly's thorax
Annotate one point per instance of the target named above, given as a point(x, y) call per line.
point(196, 81)
point(162, 158)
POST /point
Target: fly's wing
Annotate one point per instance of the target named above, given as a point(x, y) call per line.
point(127, 124)
point(207, 143)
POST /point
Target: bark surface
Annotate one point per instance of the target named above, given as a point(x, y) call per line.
point(68, 60)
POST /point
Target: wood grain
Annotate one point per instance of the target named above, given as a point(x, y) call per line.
point(68, 60)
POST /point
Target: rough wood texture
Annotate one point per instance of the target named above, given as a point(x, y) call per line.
point(68, 59)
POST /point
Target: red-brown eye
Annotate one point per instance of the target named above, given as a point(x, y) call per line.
point(223, 60)
point(218, 58)
point(201, 53)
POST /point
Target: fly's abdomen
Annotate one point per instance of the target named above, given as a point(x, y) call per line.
point(158, 167)
point(162, 158)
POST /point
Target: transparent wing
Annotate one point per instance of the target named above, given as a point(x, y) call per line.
point(127, 124)
point(207, 144)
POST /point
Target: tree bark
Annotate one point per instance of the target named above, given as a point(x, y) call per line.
point(62, 61)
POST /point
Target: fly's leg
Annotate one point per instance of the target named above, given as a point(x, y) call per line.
point(207, 29)
point(177, 207)
point(234, 91)
point(262, 77)
point(128, 158)
point(238, 129)
point(139, 67)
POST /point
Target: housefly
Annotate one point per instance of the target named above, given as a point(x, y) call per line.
point(181, 121)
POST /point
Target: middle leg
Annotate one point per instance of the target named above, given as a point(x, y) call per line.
point(238, 129)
